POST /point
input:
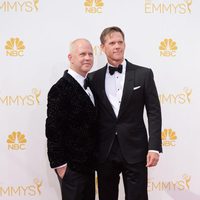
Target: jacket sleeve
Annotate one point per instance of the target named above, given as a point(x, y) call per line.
point(152, 104)
point(55, 146)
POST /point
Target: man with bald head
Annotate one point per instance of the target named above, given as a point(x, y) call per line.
point(70, 126)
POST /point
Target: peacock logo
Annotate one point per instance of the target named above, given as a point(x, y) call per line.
point(168, 47)
point(93, 6)
point(168, 137)
point(15, 47)
point(16, 141)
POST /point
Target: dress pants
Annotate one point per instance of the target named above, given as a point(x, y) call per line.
point(134, 177)
point(77, 186)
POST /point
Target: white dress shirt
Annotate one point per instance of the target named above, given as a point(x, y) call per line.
point(114, 85)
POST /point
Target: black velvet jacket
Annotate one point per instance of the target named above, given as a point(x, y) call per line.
point(70, 126)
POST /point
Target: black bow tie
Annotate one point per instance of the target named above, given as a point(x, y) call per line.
point(86, 83)
point(112, 70)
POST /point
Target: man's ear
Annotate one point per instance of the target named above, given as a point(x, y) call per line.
point(102, 47)
point(69, 57)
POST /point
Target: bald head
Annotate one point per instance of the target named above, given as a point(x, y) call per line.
point(81, 56)
point(78, 42)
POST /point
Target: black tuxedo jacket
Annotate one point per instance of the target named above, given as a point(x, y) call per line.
point(70, 125)
point(139, 92)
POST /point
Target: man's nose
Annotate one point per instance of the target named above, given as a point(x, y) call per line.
point(117, 45)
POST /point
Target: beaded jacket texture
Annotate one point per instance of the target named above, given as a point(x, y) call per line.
point(70, 126)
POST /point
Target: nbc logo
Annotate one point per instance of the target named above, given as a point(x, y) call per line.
point(16, 141)
point(168, 137)
point(14, 47)
point(168, 48)
point(93, 6)
point(19, 6)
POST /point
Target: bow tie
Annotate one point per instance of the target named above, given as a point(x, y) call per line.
point(86, 83)
point(112, 70)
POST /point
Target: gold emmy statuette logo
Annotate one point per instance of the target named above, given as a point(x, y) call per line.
point(187, 179)
point(188, 93)
point(93, 6)
point(37, 94)
point(168, 137)
point(14, 47)
point(16, 141)
point(35, 3)
point(38, 185)
point(188, 3)
point(168, 48)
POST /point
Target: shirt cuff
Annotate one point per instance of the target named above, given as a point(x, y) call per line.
point(61, 166)
point(154, 151)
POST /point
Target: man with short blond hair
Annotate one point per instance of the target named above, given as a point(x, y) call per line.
point(70, 126)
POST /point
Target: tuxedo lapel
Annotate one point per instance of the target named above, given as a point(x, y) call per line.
point(128, 87)
point(83, 95)
point(103, 95)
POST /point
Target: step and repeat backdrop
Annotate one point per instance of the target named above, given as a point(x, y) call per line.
point(34, 40)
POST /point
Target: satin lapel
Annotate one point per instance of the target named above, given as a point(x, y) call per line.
point(128, 87)
point(104, 98)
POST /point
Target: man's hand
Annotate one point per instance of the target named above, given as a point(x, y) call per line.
point(61, 171)
point(152, 159)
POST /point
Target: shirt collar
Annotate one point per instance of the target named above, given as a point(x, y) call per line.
point(80, 79)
